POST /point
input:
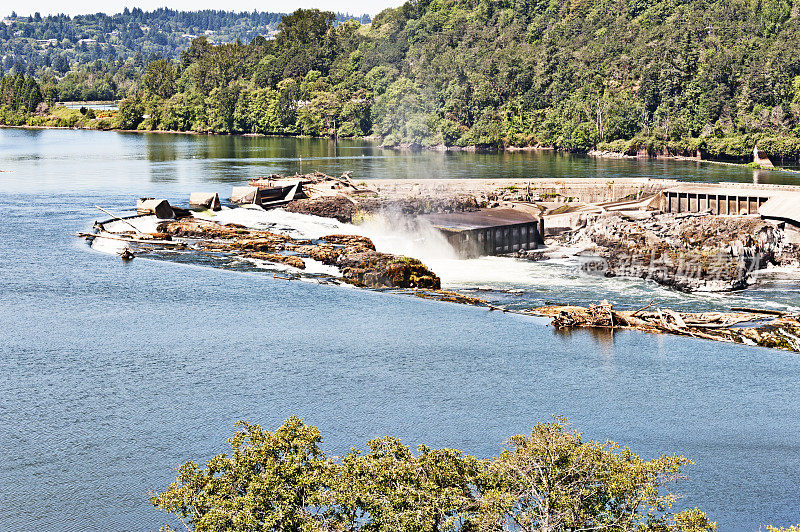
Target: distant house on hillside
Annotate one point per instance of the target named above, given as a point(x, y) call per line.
point(44, 43)
point(189, 36)
point(87, 41)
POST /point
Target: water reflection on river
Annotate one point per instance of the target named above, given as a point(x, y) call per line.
point(112, 374)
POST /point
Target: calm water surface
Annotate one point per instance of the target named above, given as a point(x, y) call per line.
point(112, 374)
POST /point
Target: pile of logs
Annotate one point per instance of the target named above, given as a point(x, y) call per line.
point(748, 326)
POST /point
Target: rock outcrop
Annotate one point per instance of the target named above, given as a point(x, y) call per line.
point(355, 256)
point(347, 209)
point(339, 207)
point(687, 252)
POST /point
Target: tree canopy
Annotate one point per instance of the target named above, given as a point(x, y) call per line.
point(550, 480)
point(674, 76)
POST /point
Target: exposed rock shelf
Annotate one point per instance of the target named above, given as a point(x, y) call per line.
point(687, 252)
point(355, 256)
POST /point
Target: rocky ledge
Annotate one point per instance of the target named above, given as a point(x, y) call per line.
point(689, 252)
point(348, 208)
point(355, 256)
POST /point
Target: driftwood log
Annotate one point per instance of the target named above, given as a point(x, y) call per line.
point(752, 327)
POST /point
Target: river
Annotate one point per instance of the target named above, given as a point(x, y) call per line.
point(113, 374)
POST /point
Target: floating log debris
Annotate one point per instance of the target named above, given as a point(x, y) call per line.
point(750, 327)
point(115, 217)
point(155, 239)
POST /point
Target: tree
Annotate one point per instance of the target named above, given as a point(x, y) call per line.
point(159, 78)
point(549, 481)
point(130, 114)
point(305, 42)
point(553, 480)
point(390, 489)
point(269, 481)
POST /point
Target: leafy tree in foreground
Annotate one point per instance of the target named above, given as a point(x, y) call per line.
point(554, 480)
point(270, 481)
point(549, 481)
point(389, 489)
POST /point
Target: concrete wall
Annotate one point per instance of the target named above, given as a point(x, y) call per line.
point(677, 202)
point(597, 192)
point(497, 240)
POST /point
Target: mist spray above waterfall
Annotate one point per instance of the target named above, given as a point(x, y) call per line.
point(394, 232)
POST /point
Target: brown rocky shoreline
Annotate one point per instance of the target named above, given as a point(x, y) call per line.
point(356, 257)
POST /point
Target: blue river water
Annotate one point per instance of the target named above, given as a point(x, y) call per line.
point(113, 374)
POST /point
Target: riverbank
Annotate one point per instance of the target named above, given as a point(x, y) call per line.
point(604, 154)
point(103, 122)
point(115, 372)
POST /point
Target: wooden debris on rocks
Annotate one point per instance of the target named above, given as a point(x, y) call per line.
point(750, 327)
point(205, 200)
point(160, 207)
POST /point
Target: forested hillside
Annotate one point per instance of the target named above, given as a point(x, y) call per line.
point(97, 57)
point(678, 75)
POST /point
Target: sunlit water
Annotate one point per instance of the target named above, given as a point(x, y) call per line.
point(112, 374)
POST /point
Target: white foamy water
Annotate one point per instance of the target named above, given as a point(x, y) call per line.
point(278, 220)
point(507, 280)
point(107, 245)
point(143, 224)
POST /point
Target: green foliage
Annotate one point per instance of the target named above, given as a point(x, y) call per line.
point(159, 78)
point(20, 93)
point(550, 480)
point(389, 488)
point(675, 77)
point(554, 480)
point(269, 481)
point(130, 114)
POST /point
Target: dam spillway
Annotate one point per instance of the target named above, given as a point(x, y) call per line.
point(489, 231)
point(777, 202)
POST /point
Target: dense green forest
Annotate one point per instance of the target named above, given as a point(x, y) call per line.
point(668, 76)
point(99, 56)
